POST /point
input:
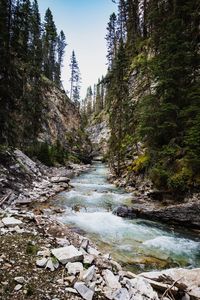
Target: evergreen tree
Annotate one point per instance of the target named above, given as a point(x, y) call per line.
point(75, 79)
point(36, 41)
point(61, 51)
point(111, 39)
point(49, 46)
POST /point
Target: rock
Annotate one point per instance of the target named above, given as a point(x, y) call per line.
point(74, 268)
point(84, 291)
point(116, 265)
point(93, 251)
point(45, 253)
point(67, 254)
point(41, 262)
point(187, 277)
point(121, 294)
point(62, 242)
point(11, 221)
point(89, 274)
point(71, 290)
point(19, 279)
point(60, 179)
point(71, 279)
point(18, 287)
point(51, 264)
point(88, 259)
point(141, 286)
point(185, 297)
point(85, 244)
point(121, 211)
point(111, 280)
point(107, 256)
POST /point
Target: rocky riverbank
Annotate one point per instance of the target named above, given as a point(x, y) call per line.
point(23, 181)
point(41, 258)
point(158, 205)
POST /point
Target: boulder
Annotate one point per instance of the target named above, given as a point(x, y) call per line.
point(84, 291)
point(67, 254)
point(121, 211)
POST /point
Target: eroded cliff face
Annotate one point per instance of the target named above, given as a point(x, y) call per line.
point(99, 133)
point(60, 117)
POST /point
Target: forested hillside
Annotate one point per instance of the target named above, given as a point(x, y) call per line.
point(35, 113)
point(153, 92)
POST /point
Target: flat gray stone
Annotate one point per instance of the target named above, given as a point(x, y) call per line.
point(19, 279)
point(18, 287)
point(74, 268)
point(84, 291)
point(67, 254)
point(11, 221)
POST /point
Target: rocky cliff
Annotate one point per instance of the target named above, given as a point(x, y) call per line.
point(60, 117)
point(99, 133)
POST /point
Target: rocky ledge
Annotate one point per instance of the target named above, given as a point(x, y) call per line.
point(153, 204)
point(41, 258)
point(23, 180)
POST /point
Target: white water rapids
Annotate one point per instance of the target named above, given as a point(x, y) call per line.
point(137, 243)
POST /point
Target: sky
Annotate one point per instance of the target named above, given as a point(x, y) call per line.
point(84, 23)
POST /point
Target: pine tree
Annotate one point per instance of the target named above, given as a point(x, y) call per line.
point(49, 46)
point(36, 42)
point(75, 79)
point(61, 51)
point(111, 39)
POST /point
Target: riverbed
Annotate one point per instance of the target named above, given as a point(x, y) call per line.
point(139, 245)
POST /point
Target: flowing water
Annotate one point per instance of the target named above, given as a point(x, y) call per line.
point(138, 244)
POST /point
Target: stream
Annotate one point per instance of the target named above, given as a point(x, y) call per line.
point(139, 245)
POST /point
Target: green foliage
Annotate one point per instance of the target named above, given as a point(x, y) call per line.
point(161, 106)
point(141, 163)
point(49, 155)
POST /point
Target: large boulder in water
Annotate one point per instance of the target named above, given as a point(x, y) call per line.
point(122, 211)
